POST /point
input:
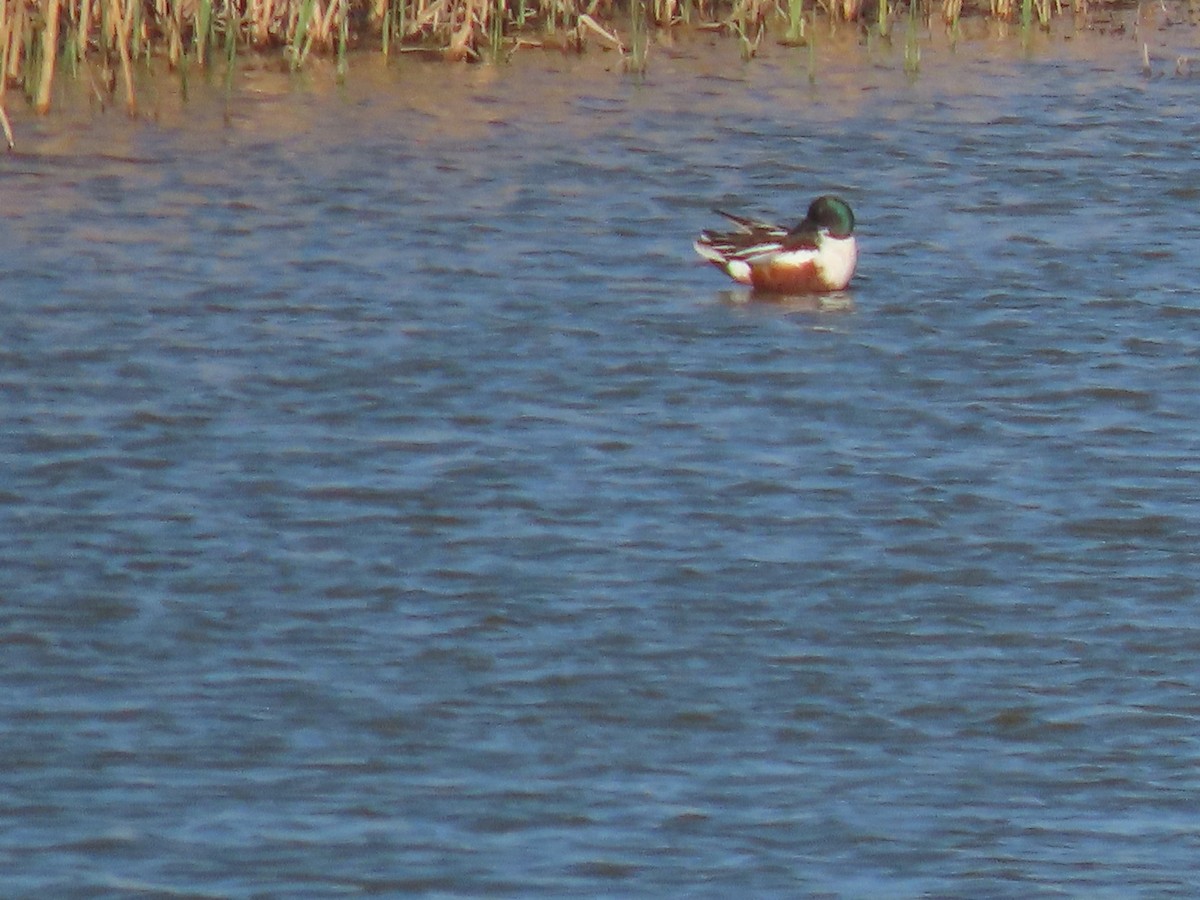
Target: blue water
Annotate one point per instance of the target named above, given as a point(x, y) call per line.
point(393, 504)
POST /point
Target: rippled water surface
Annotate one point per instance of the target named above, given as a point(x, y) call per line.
point(392, 502)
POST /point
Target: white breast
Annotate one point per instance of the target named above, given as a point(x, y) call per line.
point(837, 259)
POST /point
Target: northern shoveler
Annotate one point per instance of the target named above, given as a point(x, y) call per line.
point(819, 254)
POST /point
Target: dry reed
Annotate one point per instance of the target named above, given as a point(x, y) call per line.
point(105, 39)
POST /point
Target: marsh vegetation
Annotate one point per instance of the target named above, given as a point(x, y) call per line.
point(103, 41)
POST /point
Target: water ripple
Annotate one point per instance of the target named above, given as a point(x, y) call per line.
point(410, 514)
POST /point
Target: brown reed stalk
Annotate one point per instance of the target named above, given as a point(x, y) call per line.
point(665, 11)
point(37, 37)
point(462, 41)
point(331, 23)
point(6, 32)
point(261, 14)
point(83, 20)
point(747, 13)
point(123, 23)
point(587, 23)
point(339, 22)
point(319, 22)
point(8, 132)
point(49, 56)
point(429, 19)
point(172, 19)
point(849, 9)
point(19, 26)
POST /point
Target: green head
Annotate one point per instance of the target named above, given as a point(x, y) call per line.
point(833, 214)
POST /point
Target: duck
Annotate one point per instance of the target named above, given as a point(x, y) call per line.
point(817, 256)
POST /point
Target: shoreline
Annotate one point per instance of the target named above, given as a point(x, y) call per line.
point(1144, 35)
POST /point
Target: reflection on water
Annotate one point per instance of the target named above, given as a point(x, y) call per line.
point(841, 301)
point(395, 504)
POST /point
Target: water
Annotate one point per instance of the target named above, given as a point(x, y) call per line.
point(393, 504)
